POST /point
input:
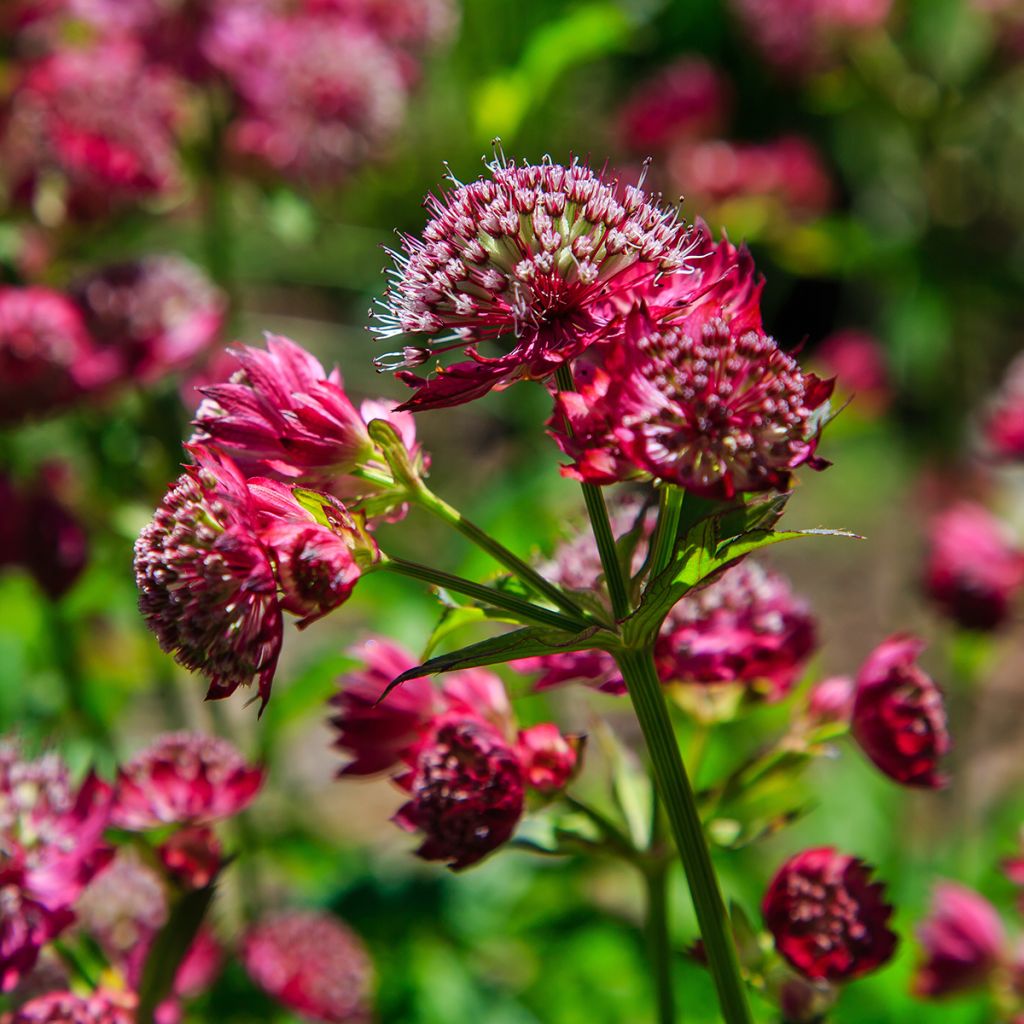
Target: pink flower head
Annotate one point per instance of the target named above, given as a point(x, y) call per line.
point(101, 119)
point(46, 354)
point(688, 98)
point(152, 316)
point(184, 779)
point(312, 964)
point(206, 581)
point(712, 410)
point(319, 95)
point(465, 785)
point(746, 626)
point(104, 1006)
point(1004, 426)
point(963, 942)
point(414, 24)
point(857, 361)
point(51, 846)
point(831, 700)
point(549, 758)
point(899, 718)
point(974, 570)
point(531, 255)
point(828, 919)
point(192, 856)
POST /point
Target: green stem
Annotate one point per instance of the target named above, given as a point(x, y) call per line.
point(670, 505)
point(427, 499)
point(659, 945)
point(649, 703)
point(489, 595)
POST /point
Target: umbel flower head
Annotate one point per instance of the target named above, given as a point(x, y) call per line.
point(104, 1006)
point(963, 942)
point(312, 964)
point(184, 778)
point(828, 919)
point(528, 257)
point(898, 717)
point(716, 411)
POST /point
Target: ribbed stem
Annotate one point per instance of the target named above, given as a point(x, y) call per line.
point(488, 595)
point(670, 505)
point(659, 945)
point(677, 795)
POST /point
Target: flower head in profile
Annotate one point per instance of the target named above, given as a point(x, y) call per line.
point(899, 718)
point(549, 758)
point(1004, 425)
point(974, 570)
point(526, 257)
point(100, 121)
point(963, 942)
point(184, 778)
point(104, 1006)
point(828, 918)
point(312, 964)
point(713, 410)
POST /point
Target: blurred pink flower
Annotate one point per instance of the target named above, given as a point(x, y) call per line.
point(831, 700)
point(899, 718)
point(1004, 426)
point(963, 942)
point(104, 1006)
point(688, 98)
point(857, 361)
point(184, 778)
point(414, 24)
point(192, 856)
point(974, 570)
point(828, 919)
point(549, 759)
point(312, 964)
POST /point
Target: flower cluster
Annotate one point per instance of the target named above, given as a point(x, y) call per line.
point(454, 750)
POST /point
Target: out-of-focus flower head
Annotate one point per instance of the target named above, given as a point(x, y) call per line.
point(1004, 426)
point(802, 1001)
point(281, 414)
point(104, 1006)
point(47, 358)
point(703, 406)
point(319, 94)
point(828, 919)
point(974, 570)
point(530, 256)
point(899, 719)
point(312, 964)
point(549, 759)
point(787, 173)
point(831, 701)
point(857, 362)
point(193, 857)
point(688, 98)
point(414, 24)
point(184, 778)
point(963, 942)
point(151, 316)
point(747, 627)
point(798, 37)
point(89, 129)
point(51, 846)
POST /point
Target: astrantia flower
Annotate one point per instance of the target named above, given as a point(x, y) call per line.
point(46, 354)
point(549, 759)
point(184, 779)
point(104, 1006)
point(193, 857)
point(312, 964)
point(831, 700)
point(99, 119)
point(899, 718)
point(152, 316)
point(962, 938)
point(974, 570)
point(712, 410)
point(409, 23)
point(466, 791)
point(528, 257)
point(1004, 426)
point(828, 919)
point(857, 361)
point(319, 95)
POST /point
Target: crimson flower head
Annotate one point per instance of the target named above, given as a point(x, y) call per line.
point(529, 257)
point(716, 411)
point(193, 857)
point(151, 316)
point(46, 354)
point(974, 570)
point(857, 361)
point(101, 120)
point(1004, 425)
point(312, 964)
point(184, 779)
point(899, 718)
point(549, 759)
point(963, 941)
point(828, 919)
point(104, 1006)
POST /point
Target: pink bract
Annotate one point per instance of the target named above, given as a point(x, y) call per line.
point(549, 759)
point(828, 919)
point(184, 779)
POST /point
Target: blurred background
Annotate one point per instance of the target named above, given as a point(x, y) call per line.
point(869, 152)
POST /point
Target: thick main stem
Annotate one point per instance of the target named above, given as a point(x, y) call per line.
point(677, 795)
point(659, 945)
